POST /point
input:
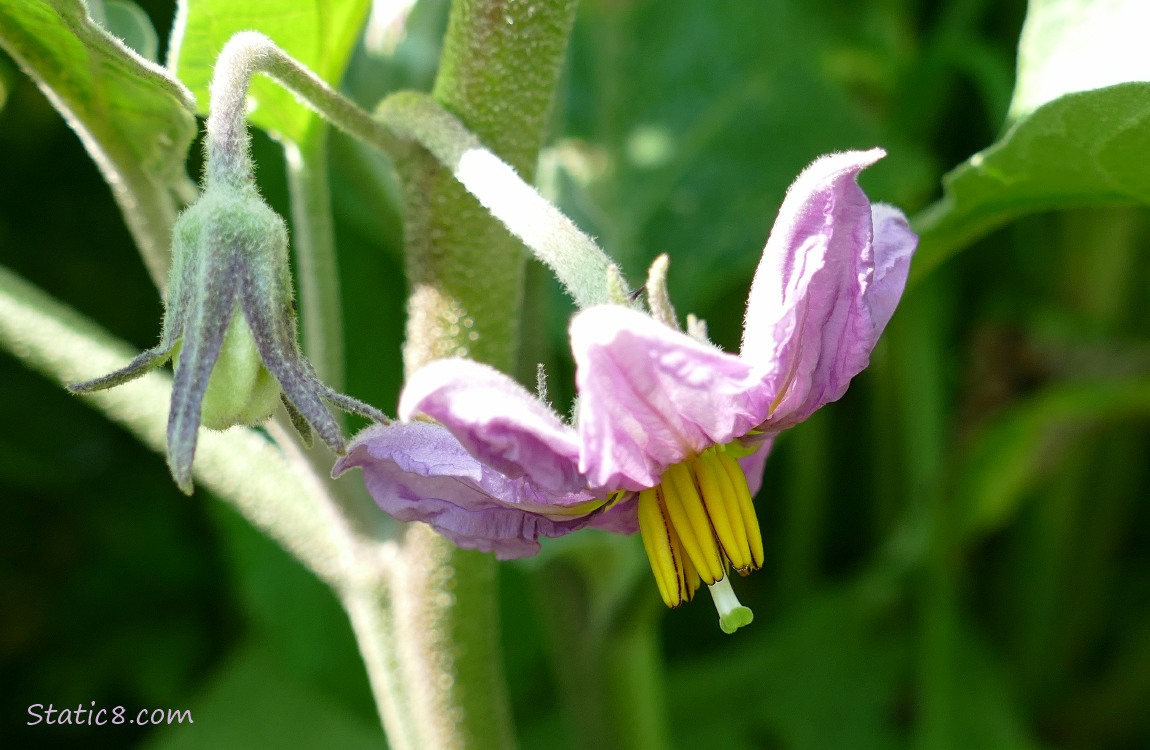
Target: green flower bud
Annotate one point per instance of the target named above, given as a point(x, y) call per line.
point(230, 321)
point(240, 390)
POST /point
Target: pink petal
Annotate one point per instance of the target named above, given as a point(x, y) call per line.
point(649, 397)
point(497, 421)
point(420, 472)
point(831, 275)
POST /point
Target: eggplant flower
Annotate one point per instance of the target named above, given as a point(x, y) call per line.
point(670, 433)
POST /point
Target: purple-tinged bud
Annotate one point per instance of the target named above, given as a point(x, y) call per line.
point(230, 324)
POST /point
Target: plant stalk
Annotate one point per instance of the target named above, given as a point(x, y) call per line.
point(498, 73)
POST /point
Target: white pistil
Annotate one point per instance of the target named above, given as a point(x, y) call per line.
point(732, 614)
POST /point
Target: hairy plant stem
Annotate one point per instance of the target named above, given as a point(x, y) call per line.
point(284, 498)
point(498, 72)
point(248, 53)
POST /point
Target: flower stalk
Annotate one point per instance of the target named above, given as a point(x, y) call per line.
point(436, 649)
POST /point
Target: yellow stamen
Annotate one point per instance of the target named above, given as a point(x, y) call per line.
point(674, 573)
point(723, 508)
point(695, 524)
point(690, 520)
point(691, 579)
point(746, 506)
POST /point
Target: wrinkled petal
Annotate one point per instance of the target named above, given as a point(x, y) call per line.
point(894, 245)
point(831, 274)
point(497, 420)
point(650, 397)
point(419, 472)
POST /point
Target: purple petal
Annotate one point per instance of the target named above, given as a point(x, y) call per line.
point(753, 464)
point(621, 518)
point(650, 397)
point(831, 275)
point(894, 245)
point(419, 472)
point(497, 421)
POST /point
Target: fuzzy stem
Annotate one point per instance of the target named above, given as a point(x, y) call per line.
point(580, 265)
point(284, 498)
point(314, 241)
point(246, 54)
point(499, 68)
point(501, 185)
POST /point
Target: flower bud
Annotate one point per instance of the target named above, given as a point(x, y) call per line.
point(240, 390)
point(230, 323)
point(227, 222)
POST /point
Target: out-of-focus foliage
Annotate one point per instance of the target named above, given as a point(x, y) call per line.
point(1078, 45)
point(319, 35)
point(135, 121)
point(1061, 151)
point(958, 550)
point(1083, 148)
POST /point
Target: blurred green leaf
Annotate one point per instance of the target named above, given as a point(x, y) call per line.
point(981, 711)
point(693, 158)
point(127, 21)
point(135, 120)
point(1085, 148)
point(1077, 138)
point(253, 702)
point(1079, 45)
point(319, 35)
point(1032, 438)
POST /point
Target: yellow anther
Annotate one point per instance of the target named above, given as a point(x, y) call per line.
point(738, 481)
point(689, 517)
point(691, 578)
point(674, 574)
point(656, 530)
point(695, 522)
point(723, 508)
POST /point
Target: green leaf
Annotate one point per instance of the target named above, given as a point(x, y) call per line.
point(135, 119)
point(1085, 148)
point(1079, 45)
point(1030, 440)
point(1078, 135)
point(980, 708)
point(319, 35)
point(129, 22)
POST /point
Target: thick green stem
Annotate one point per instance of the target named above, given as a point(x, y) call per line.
point(500, 64)
point(313, 238)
